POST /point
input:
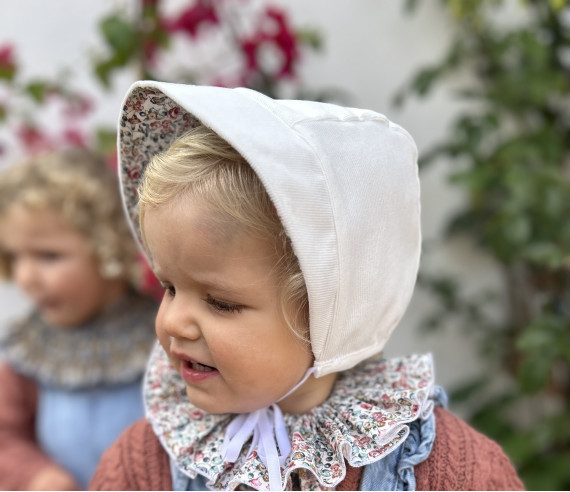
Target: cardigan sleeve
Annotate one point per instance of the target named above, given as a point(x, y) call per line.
point(136, 461)
point(20, 455)
point(464, 459)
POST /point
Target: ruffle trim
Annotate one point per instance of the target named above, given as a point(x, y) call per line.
point(111, 349)
point(364, 419)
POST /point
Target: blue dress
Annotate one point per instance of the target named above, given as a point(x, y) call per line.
point(88, 379)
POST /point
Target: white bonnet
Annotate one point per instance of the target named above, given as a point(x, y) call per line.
point(344, 182)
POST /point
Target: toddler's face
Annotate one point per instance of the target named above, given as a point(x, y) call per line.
point(220, 319)
point(53, 264)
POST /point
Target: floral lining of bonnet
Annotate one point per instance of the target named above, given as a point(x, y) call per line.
point(112, 348)
point(362, 421)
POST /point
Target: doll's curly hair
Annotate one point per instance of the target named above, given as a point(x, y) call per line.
point(79, 185)
point(204, 165)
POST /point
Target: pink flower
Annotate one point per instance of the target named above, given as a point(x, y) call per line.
point(285, 39)
point(133, 173)
point(78, 106)
point(174, 112)
point(150, 283)
point(7, 63)
point(202, 12)
point(33, 140)
point(274, 29)
point(112, 160)
point(73, 137)
point(362, 441)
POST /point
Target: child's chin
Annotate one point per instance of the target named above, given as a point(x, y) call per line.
point(58, 321)
point(216, 406)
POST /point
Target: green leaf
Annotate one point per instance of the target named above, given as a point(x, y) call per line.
point(106, 140)
point(310, 37)
point(121, 37)
point(37, 90)
point(7, 72)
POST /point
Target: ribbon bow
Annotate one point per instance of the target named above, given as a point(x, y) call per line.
point(269, 435)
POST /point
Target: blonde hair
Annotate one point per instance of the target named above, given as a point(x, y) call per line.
point(203, 164)
point(82, 188)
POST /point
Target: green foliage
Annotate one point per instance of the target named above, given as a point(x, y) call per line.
point(510, 153)
point(122, 40)
point(137, 42)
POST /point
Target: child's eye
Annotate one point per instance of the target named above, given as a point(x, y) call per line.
point(49, 256)
point(223, 306)
point(169, 289)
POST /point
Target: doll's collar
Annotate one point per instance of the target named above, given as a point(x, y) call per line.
point(363, 420)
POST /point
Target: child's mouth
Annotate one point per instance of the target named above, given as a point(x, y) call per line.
point(199, 367)
point(194, 372)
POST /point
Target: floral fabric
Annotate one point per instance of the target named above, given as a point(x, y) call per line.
point(149, 124)
point(364, 419)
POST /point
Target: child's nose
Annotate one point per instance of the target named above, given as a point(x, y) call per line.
point(179, 321)
point(24, 273)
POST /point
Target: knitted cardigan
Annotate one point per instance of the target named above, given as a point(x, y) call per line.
point(461, 459)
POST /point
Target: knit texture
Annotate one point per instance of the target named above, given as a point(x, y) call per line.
point(20, 456)
point(464, 459)
point(461, 459)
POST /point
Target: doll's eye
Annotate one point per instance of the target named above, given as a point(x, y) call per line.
point(223, 306)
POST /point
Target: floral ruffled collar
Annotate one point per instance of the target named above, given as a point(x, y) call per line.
point(362, 421)
point(110, 349)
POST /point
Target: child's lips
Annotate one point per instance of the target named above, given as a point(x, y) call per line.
point(47, 304)
point(194, 371)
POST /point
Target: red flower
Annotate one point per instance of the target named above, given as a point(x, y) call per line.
point(273, 29)
point(112, 160)
point(78, 106)
point(174, 112)
point(7, 63)
point(150, 284)
point(73, 137)
point(7, 57)
point(150, 48)
point(33, 140)
point(286, 41)
point(202, 12)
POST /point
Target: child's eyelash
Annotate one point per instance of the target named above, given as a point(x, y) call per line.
point(223, 306)
point(169, 289)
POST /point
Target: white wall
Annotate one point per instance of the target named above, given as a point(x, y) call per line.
point(372, 48)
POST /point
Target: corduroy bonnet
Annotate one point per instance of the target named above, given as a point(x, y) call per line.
point(344, 182)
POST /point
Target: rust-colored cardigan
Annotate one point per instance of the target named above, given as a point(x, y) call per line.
point(21, 458)
point(461, 459)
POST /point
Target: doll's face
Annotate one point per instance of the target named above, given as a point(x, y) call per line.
point(220, 320)
point(53, 264)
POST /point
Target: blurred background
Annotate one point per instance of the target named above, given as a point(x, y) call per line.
point(482, 85)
